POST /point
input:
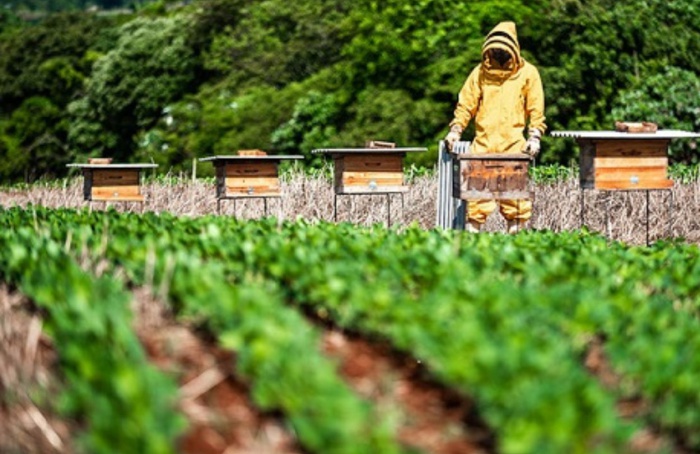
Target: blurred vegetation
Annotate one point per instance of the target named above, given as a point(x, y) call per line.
point(171, 81)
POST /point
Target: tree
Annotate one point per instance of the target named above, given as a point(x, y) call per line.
point(55, 67)
point(276, 42)
point(590, 52)
point(672, 100)
point(34, 141)
point(311, 126)
point(151, 66)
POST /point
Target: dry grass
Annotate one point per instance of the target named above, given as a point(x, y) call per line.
point(27, 382)
point(619, 215)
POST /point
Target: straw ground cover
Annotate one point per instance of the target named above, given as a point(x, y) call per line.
point(557, 205)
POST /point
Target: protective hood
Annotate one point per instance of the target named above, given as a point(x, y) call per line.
point(503, 36)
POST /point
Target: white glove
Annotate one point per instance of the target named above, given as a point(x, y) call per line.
point(453, 136)
point(532, 146)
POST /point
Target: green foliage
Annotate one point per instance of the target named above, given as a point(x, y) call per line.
point(35, 88)
point(216, 121)
point(391, 69)
point(151, 66)
point(524, 308)
point(276, 42)
point(311, 126)
point(394, 116)
point(37, 145)
point(67, 5)
point(672, 100)
point(590, 53)
point(276, 346)
point(55, 67)
point(108, 382)
point(552, 173)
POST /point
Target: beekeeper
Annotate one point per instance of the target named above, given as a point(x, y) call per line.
point(501, 94)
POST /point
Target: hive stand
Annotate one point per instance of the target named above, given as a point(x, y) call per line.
point(112, 182)
point(372, 170)
point(614, 161)
point(248, 177)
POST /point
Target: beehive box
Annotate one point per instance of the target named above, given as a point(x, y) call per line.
point(242, 178)
point(369, 172)
point(375, 168)
point(624, 164)
point(114, 184)
point(248, 174)
point(490, 176)
point(104, 182)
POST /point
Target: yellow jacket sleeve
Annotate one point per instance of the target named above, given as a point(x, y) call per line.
point(534, 102)
point(468, 102)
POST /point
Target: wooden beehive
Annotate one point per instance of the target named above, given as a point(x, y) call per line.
point(113, 184)
point(247, 178)
point(490, 176)
point(107, 182)
point(368, 172)
point(250, 173)
point(624, 164)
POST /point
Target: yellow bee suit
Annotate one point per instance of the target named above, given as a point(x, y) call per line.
point(500, 100)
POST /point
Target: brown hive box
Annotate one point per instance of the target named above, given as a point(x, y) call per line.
point(494, 176)
point(248, 178)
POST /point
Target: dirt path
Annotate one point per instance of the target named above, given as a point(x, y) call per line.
point(222, 419)
point(28, 424)
point(431, 417)
point(646, 440)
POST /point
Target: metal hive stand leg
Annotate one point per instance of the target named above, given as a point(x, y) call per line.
point(335, 207)
point(670, 213)
point(388, 210)
point(608, 227)
point(583, 202)
point(647, 217)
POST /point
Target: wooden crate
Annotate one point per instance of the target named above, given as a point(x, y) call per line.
point(247, 178)
point(359, 173)
point(624, 164)
point(490, 176)
point(118, 184)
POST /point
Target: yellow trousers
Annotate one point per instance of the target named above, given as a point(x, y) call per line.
point(479, 210)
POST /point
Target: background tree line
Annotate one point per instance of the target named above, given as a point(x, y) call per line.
point(177, 80)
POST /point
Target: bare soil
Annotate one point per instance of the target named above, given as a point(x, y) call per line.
point(647, 439)
point(222, 418)
point(432, 417)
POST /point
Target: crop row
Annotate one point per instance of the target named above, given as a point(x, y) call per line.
point(120, 396)
point(503, 319)
point(108, 383)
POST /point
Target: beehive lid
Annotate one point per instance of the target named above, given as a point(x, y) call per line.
point(369, 150)
point(660, 134)
point(248, 158)
point(113, 166)
point(493, 156)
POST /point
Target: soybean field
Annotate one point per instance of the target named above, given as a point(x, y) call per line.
point(153, 333)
